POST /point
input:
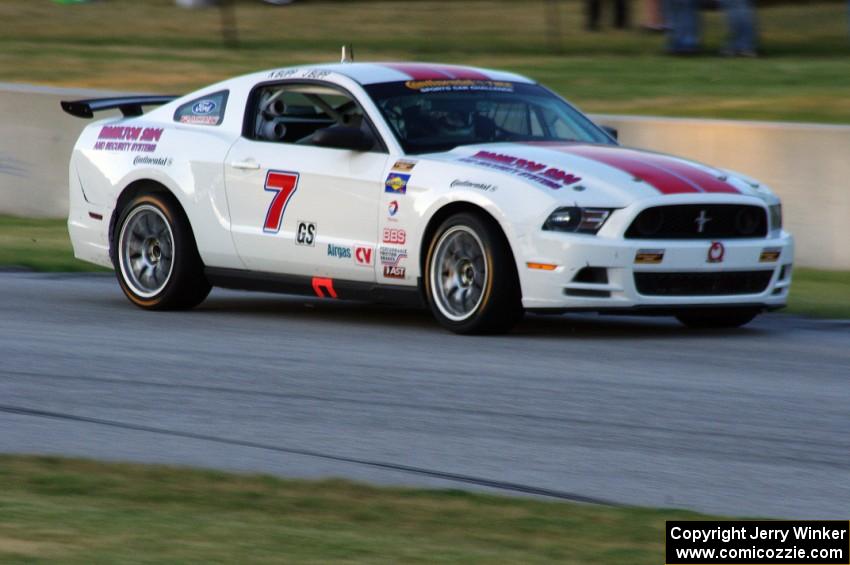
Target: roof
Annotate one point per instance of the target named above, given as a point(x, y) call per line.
point(379, 72)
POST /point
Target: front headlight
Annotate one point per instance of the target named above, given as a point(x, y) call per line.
point(577, 220)
point(776, 217)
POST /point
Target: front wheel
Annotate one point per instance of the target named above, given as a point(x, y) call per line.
point(155, 258)
point(471, 281)
point(718, 318)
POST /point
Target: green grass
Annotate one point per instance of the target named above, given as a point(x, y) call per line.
point(38, 244)
point(76, 511)
point(823, 294)
point(153, 46)
point(43, 245)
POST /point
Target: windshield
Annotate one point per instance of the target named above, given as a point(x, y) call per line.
point(430, 116)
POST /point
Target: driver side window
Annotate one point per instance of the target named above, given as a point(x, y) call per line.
point(294, 113)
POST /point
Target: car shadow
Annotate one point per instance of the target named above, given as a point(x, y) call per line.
point(571, 326)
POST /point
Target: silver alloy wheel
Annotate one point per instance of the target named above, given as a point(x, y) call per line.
point(458, 273)
point(146, 247)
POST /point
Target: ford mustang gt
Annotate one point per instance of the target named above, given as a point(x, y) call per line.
point(477, 192)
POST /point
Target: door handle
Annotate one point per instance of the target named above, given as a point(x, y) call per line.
point(246, 165)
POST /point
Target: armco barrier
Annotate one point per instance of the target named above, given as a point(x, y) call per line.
point(808, 165)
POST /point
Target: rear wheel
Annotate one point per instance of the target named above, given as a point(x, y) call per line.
point(155, 258)
point(718, 318)
point(471, 281)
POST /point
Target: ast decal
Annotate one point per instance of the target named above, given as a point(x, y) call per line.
point(391, 272)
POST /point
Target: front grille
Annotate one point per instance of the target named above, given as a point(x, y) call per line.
point(702, 284)
point(699, 221)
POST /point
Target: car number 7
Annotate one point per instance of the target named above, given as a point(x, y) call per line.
point(283, 184)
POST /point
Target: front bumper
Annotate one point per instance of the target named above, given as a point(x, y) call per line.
point(558, 289)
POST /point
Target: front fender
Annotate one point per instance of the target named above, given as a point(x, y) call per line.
point(518, 209)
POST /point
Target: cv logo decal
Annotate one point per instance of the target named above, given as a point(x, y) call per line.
point(363, 256)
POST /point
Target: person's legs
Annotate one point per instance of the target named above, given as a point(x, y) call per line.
point(667, 14)
point(653, 15)
point(593, 9)
point(621, 14)
point(742, 26)
point(684, 35)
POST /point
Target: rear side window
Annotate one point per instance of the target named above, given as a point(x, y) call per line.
point(205, 111)
point(296, 112)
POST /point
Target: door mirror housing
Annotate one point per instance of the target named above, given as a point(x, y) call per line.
point(341, 137)
point(611, 131)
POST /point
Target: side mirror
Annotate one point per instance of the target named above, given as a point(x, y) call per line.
point(611, 131)
point(341, 137)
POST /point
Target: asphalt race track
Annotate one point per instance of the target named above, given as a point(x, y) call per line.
point(752, 422)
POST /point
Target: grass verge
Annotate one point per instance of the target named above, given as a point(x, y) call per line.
point(154, 46)
point(86, 512)
point(38, 244)
point(824, 294)
point(43, 245)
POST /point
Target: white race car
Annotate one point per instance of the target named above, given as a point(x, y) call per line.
point(478, 192)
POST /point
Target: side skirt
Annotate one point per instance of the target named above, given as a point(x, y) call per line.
point(322, 287)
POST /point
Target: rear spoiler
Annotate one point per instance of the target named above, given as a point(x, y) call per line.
point(129, 105)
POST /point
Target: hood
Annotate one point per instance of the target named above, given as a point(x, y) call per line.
point(609, 173)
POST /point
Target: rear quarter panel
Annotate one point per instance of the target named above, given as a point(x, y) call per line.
point(187, 160)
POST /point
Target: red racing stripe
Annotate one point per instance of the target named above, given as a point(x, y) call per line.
point(706, 181)
point(424, 71)
point(662, 180)
point(667, 174)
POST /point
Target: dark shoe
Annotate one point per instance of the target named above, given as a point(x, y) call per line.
point(683, 52)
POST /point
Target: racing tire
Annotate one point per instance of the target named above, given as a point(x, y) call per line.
point(155, 257)
point(718, 318)
point(471, 283)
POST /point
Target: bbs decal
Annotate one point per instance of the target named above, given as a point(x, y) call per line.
point(305, 234)
point(394, 235)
